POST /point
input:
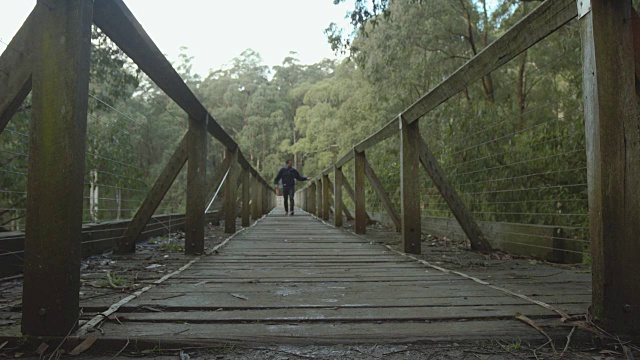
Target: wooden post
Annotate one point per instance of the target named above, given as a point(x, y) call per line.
point(127, 243)
point(246, 198)
point(410, 186)
point(613, 164)
point(450, 195)
point(62, 43)
point(337, 197)
point(359, 195)
point(266, 201)
point(319, 201)
point(230, 193)
point(196, 187)
point(325, 198)
point(312, 197)
point(255, 202)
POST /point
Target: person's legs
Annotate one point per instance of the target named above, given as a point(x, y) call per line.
point(292, 191)
point(286, 199)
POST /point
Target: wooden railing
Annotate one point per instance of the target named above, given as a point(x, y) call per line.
point(58, 76)
point(612, 150)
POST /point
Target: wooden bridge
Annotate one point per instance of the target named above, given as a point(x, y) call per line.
point(296, 279)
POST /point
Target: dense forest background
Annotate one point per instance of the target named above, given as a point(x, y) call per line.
point(522, 123)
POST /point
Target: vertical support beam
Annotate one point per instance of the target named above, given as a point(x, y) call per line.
point(378, 188)
point(359, 196)
point(196, 187)
point(326, 209)
point(410, 186)
point(230, 193)
point(255, 202)
point(613, 164)
point(62, 43)
point(265, 199)
point(312, 197)
point(319, 197)
point(337, 196)
point(246, 198)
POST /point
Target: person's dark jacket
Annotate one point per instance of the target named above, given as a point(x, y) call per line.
point(288, 177)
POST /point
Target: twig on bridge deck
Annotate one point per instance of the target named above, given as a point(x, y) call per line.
point(121, 350)
point(110, 280)
point(531, 323)
point(566, 346)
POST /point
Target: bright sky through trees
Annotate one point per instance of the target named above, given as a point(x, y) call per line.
point(217, 31)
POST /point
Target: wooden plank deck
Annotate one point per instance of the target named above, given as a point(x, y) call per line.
point(295, 280)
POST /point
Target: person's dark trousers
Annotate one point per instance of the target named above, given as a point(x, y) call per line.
point(288, 192)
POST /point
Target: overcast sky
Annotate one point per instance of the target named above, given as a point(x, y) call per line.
point(217, 31)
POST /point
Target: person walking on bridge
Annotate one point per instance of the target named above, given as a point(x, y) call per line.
point(288, 175)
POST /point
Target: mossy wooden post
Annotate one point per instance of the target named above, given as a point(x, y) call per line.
point(62, 43)
point(230, 193)
point(255, 202)
point(613, 164)
point(196, 187)
point(359, 196)
point(246, 198)
point(410, 186)
point(326, 209)
point(337, 196)
point(312, 197)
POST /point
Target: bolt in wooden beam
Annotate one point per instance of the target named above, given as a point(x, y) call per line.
point(359, 195)
point(62, 43)
point(196, 187)
point(613, 164)
point(410, 186)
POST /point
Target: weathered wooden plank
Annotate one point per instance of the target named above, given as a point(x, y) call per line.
point(540, 23)
point(450, 195)
point(387, 131)
point(359, 195)
point(55, 188)
point(410, 186)
point(246, 198)
point(230, 193)
point(337, 198)
point(613, 163)
point(345, 159)
point(343, 207)
point(127, 243)
point(196, 187)
point(382, 194)
point(326, 209)
point(15, 71)
point(118, 23)
point(255, 199)
point(352, 195)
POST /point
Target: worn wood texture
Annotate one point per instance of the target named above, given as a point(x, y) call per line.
point(313, 207)
point(196, 187)
point(246, 199)
point(230, 193)
point(450, 195)
point(58, 131)
point(359, 195)
point(329, 286)
point(382, 194)
point(613, 164)
point(326, 209)
point(410, 186)
point(255, 202)
point(15, 71)
point(381, 135)
point(127, 243)
point(540, 23)
point(352, 195)
point(319, 198)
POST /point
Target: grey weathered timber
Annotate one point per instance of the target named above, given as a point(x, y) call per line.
point(352, 196)
point(384, 133)
point(246, 198)
point(345, 159)
point(325, 198)
point(540, 23)
point(410, 186)
point(255, 194)
point(196, 187)
point(337, 197)
point(613, 164)
point(450, 195)
point(15, 71)
point(359, 196)
point(382, 194)
point(154, 197)
point(344, 209)
point(118, 23)
point(230, 193)
point(62, 43)
point(313, 208)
